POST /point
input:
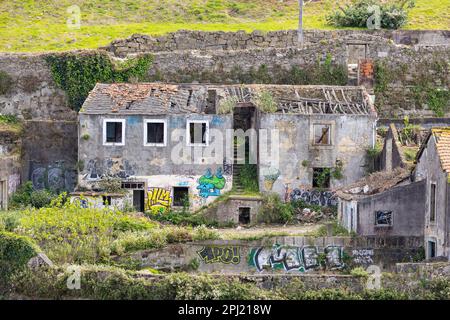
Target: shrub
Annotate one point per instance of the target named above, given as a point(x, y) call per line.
point(22, 196)
point(203, 233)
point(15, 252)
point(134, 241)
point(337, 230)
point(181, 218)
point(273, 210)
point(357, 14)
point(6, 83)
point(41, 198)
point(265, 101)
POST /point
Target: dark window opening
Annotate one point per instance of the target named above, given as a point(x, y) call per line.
point(197, 132)
point(383, 218)
point(431, 249)
point(321, 178)
point(155, 132)
point(244, 215)
point(322, 134)
point(433, 202)
point(114, 132)
point(106, 200)
point(181, 196)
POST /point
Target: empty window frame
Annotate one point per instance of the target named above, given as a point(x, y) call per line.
point(383, 218)
point(114, 132)
point(244, 215)
point(106, 200)
point(197, 133)
point(433, 202)
point(155, 132)
point(181, 196)
point(321, 178)
point(322, 134)
point(132, 185)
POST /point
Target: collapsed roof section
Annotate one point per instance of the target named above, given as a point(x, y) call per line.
point(162, 98)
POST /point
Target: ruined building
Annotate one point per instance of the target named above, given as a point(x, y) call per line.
point(175, 145)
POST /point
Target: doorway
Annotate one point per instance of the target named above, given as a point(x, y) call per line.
point(431, 249)
point(139, 200)
point(356, 53)
point(244, 215)
point(3, 195)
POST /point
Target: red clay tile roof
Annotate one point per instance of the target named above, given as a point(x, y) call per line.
point(442, 136)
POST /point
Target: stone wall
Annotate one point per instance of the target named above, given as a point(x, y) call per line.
point(199, 40)
point(34, 94)
point(49, 154)
point(281, 254)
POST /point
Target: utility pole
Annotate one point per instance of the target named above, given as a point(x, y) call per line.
point(300, 23)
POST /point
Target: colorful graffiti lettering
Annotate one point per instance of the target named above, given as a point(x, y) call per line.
point(315, 197)
point(158, 200)
point(223, 254)
point(298, 259)
point(210, 185)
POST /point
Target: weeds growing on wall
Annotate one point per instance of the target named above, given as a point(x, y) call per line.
point(248, 178)
point(78, 73)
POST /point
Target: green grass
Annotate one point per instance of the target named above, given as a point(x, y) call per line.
point(40, 25)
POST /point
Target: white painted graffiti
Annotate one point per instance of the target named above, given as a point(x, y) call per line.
point(362, 256)
point(290, 258)
point(314, 197)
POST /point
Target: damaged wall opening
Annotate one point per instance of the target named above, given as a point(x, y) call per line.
point(244, 215)
point(322, 134)
point(181, 196)
point(321, 178)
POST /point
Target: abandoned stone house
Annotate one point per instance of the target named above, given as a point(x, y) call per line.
point(433, 167)
point(401, 200)
point(175, 145)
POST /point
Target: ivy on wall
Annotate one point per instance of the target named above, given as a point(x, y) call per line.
point(78, 73)
point(428, 83)
point(320, 73)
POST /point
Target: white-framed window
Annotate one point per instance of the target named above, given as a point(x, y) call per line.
point(197, 133)
point(114, 132)
point(155, 132)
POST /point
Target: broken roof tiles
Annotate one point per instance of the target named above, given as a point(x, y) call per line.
point(161, 98)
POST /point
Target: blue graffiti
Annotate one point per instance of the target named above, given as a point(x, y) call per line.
point(210, 185)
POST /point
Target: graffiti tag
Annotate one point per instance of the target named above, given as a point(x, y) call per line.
point(210, 185)
point(158, 200)
point(314, 197)
point(223, 254)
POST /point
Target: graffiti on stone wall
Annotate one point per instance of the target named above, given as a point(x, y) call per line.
point(299, 259)
point(55, 177)
point(362, 256)
point(314, 197)
point(111, 168)
point(210, 185)
point(158, 200)
point(220, 254)
point(270, 176)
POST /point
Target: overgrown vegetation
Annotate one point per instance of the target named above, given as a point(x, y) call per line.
point(28, 29)
point(27, 196)
point(360, 13)
point(273, 210)
point(78, 73)
point(112, 283)
point(373, 157)
point(248, 178)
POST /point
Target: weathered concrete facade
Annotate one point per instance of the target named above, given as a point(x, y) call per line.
point(433, 166)
point(328, 127)
point(351, 135)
